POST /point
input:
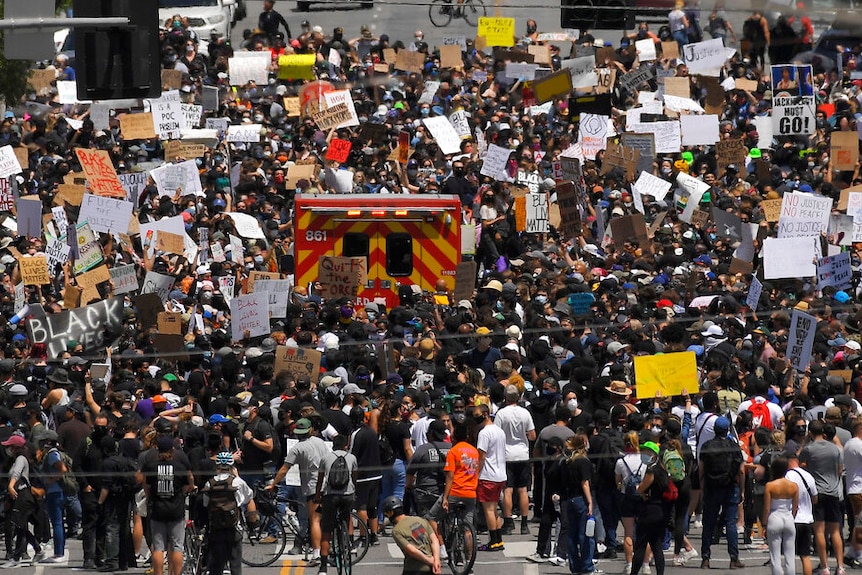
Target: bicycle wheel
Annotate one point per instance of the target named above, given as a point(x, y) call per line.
point(440, 13)
point(259, 548)
point(344, 555)
point(462, 548)
point(191, 550)
point(472, 10)
point(361, 540)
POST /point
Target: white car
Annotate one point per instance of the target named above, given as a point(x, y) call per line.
point(204, 15)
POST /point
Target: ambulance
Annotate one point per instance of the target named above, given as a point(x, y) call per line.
point(406, 239)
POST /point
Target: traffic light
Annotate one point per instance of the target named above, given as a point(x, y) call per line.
point(118, 62)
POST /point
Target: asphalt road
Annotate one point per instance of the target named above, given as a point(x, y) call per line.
point(386, 559)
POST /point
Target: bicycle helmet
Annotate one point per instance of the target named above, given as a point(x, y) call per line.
point(224, 459)
point(392, 506)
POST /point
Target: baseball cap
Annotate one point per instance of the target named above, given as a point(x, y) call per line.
point(303, 427)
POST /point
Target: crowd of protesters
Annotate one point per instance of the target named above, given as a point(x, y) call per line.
point(503, 402)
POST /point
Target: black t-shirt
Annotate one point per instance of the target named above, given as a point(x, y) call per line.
point(427, 464)
point(253, 457)
point(364, 446)
point(396, 433)
point(339, 420)
point(576, 472)
point(166, 479)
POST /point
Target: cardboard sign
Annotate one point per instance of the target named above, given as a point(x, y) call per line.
point(771, 210)
point(298, 172)
point(699, 218)
point(731, 152)
point(124, 278)
point(619, 156)
point(497, 31)
point(631, 227)
point(542, 54)
point(667, 374)
point(341, 276)
point(42, 79)
point(338, 150)
point(170, 322)
point(607, 78)
point(845, 150)
point(745, 84)
point(680, 87)
point(172, 79)
point(178, 149)
point(465, 280)
point(670, 50)
point(410, 61)
point(567, 200)
point(332, 117)
point(845, 374)
point(450, 57)
point(553, 86)
point(390, 55)
point(605, 56)
point(100, 172)
point(254, 276)
point(298, 362)
point(170, 243)
point(137, 126)
point(34, 270)
point(87, 325)
point(291, 106)
point(249, 313)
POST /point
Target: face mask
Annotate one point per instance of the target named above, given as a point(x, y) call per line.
point(459, 171)
point(479, 419)
point(100, 431)
point(810, 164)
point(542, 299)
point(244, 413)
point(258, 119)
point(665, 171)
point(190, 49)
point(400, 389)
point(531, 29)
point(549, 392)
point(371, 316)
point(572, 404)
point(656, 429)
point(425, 111)
point(258, 259)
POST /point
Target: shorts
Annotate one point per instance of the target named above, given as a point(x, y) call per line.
point(630, 505)
point(804, 539)
point(518, 474)
point(489, 491)
point(855, 504)
point(168, 535)
point(367, 495)
point(437, 514)
point(828, 509)
point(328, 510)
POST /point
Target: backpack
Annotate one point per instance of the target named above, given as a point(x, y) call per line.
point(387, 454)
point(67, 481)
point(760, 414)
point(608, 455)
point(630, 483)
point(717, 453)
point(674, 464)
point(222, 507)
point(339, 473)
point(670, 493)
point(127, 483)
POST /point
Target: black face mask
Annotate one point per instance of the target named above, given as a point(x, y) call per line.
point(459, 171)
point(479, 420)
point(100, 431)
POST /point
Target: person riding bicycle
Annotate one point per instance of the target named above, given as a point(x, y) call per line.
point(425, 470)
point(224, 497)
point(462, 480)
point(336, 491)
point(415, 537)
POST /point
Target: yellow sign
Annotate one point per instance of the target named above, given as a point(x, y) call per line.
point(296, 66)
point(497, 31)
point(668, 373)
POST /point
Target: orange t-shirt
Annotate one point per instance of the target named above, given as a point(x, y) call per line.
point(463, 461)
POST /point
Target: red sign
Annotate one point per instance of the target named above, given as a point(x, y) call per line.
point(403, 147)
point(338, 150)
point(7, 200)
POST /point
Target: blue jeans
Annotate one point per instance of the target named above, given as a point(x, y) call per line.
point(681, 38)
point(54, 502)
point(716, 500)
point(608, 504)
point(581, 547)
point(74, 513)
point(393, 484)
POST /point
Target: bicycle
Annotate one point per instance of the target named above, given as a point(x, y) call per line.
point(459, 537)
point(441, 12)
point(342, 550)
point(194, 547)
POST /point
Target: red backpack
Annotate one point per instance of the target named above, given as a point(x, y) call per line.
point(761, 417)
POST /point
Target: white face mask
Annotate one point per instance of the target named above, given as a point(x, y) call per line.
point(656, 429)
point(572, 404)
point(244, 413)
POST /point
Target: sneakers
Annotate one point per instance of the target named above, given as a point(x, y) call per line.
point(678, 561)
point(704, 564)
point(444, 554)
point(852, 563)
point(736, 564)
point(297, 549)
point(37, 557)
point(557, 561)
point(525, 529)
point(268, 540)
point(536, 558)
point(11, 564)
point(646, 570)
point(313, 562)
point(492, 547)
point(54, 559)
point(689, 555)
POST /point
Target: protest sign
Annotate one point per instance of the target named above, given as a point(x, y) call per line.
point(170, 322)
point(754, 292)
point(465, 280)
point(181, 176)
point(793, 257)
point(570, 216)
point(541, 54)
point(704, 58)
point(172, 79)
point(645, 50)
point(341, 276)
point(179, 149)
point(727, 224)
point(101, 175)
point(553, 86)
point(667, 135)
point(771, 209)
point(408, 61)
point(701, 130)
point(298, 172)
point(106, 214)
point(133, 183)
point(666, 374)
point(633, 79)
point(170, 243)
point(338, 150)
point(7, 198)
point(29, 209)
point(277, 291)
point(244, 133)
point(167, 117)
point(619, 156)
point(124, 278)
point(298, 362)
point(519, 71)
point(343, 97)
point(732, 151)
point(583, 71)
point(803, 215)
point(158, 284)
point(89, 248)
point(87, 325)
point(800, 340)
point(592, 133)
point(630, 227)
point(450, 57)
point(251, 68)
point(89, 280)
point(247, 225)
point(834, 271)
point(431, 87)
point(581, 302)
point(34, 270)
point(331, 117)
point(227, 285)
point(745, 84)
point(497, 31)
point(41, 79)
point(670, 50)
point(537, 213)
point(680, 87)
point(606, 79)
point(845, 150)
point(57, 252)
point(447, 138)
point(249, 313)
point(191, 116)
point(694, 189)
point(793, 103)
point(653, 186)
point(296, 66)
point(494, 163)
point(460, 123)
point(291, 106)
point(645, 144)
point(137, 126)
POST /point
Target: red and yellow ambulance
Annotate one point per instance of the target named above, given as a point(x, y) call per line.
point(407, 239)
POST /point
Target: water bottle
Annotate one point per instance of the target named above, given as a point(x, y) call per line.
point(590, 530)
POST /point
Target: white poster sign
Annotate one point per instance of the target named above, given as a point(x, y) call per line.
point(244, 133)
point(247, 225)
point(494, 164)
point(537, 214)
point(794, 257)
point(339, 97)
point(249, 313)
point(184, 175)
point(9, 165)
point(803, 215)
point(106, 214)
point(124, 278)
point(592, 134)
point(705, 58)
point(447, 138)
point(699, 130)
